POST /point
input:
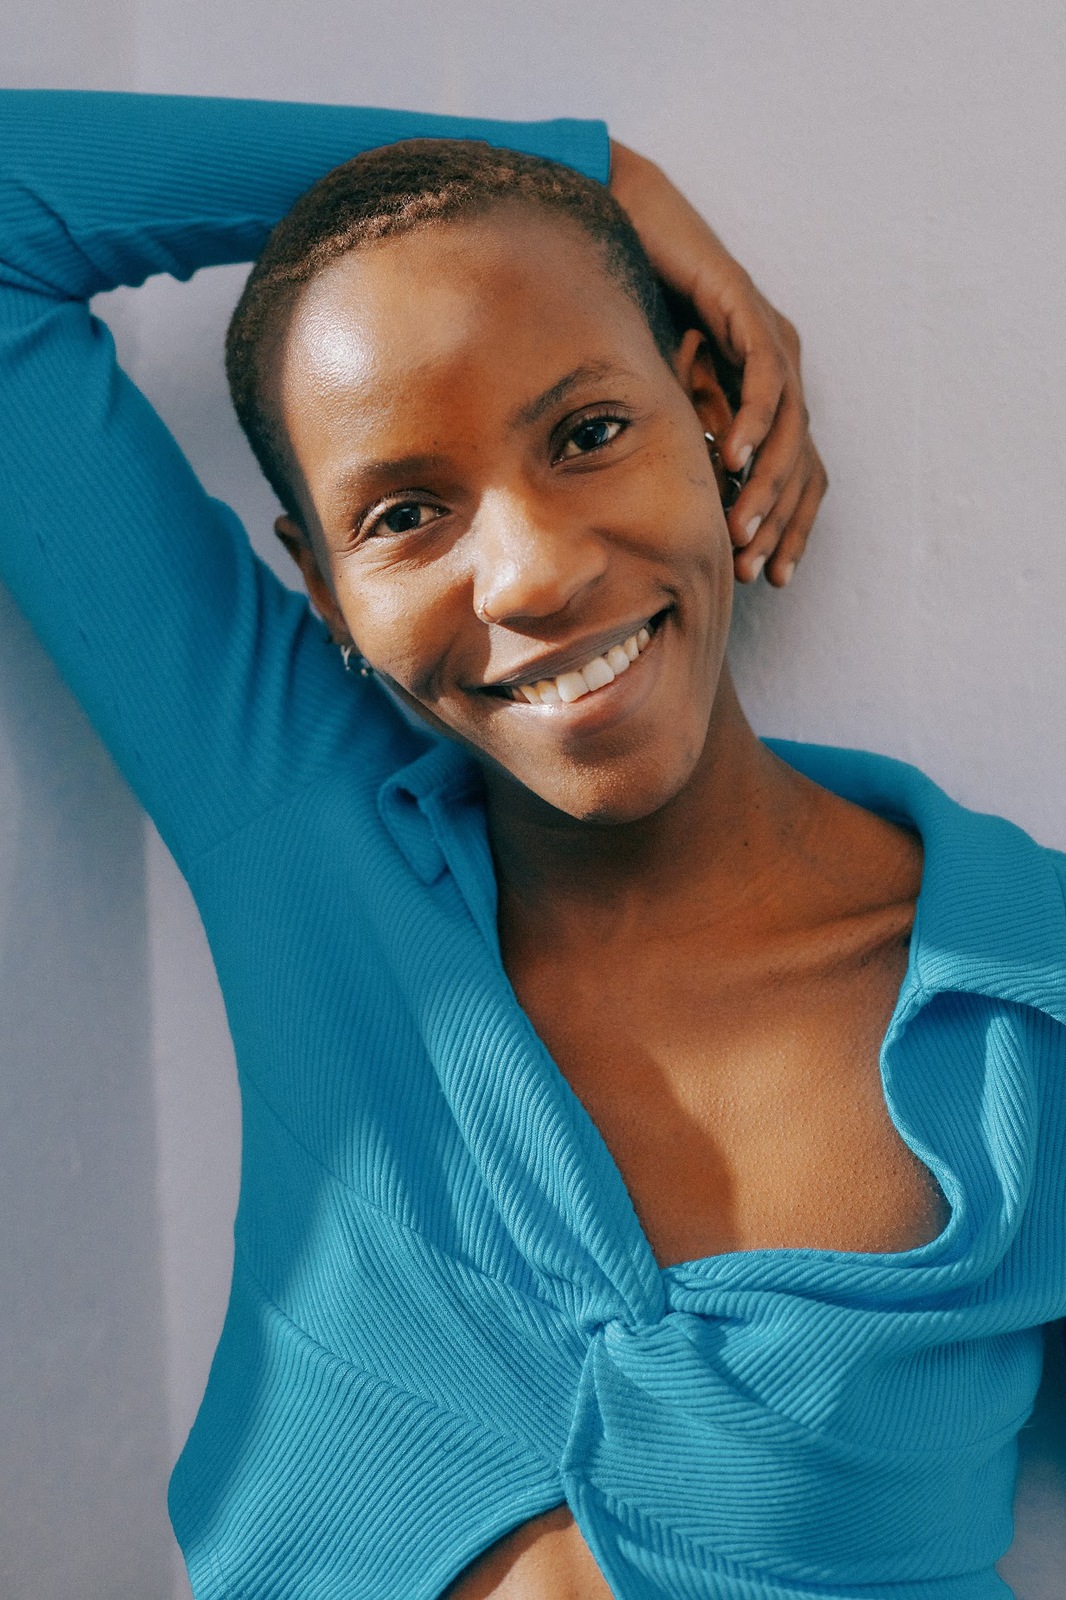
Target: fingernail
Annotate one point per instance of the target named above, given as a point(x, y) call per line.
point(787, 570)
point(757, 566)
point(751, 528)
point(743, 456)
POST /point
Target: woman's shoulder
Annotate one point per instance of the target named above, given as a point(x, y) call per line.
point(992, 905)
point(902, 792)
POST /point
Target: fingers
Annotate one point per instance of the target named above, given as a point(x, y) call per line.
point(764, 387)
point(781, 457)
point(753, 558)
point(790, 338)
point(782, 538)
point(774, 512)
point(782, 564)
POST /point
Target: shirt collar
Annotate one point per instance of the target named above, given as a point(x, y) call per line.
point(434, 810)
point(991, 914)
point(414, 797)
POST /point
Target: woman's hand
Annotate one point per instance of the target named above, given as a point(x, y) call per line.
point(773, 514)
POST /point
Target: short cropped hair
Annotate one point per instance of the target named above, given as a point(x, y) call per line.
point(384, 193)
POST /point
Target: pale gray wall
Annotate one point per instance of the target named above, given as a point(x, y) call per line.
point(892, 174)
point(85, 1413)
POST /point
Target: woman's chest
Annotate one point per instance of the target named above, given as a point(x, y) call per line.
point(744, 1109)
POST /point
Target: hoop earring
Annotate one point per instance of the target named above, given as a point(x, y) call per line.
point(734, 481)
point(347, 652)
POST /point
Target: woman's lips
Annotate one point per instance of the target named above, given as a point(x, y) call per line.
point(589, 678)
point(553, 664)
point(616, 696)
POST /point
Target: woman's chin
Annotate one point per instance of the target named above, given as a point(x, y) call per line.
point(616, 754)
point(622, 780)
point(610, 794)
point(615, 813)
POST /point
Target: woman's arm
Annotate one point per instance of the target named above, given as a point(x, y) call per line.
point(212, 685)
point(208, 680)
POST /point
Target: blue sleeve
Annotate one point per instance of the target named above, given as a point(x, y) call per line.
point(212, 684)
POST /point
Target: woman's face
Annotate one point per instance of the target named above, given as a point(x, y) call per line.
point(503, 484)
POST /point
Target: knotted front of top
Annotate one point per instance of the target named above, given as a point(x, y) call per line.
point(790, 1446)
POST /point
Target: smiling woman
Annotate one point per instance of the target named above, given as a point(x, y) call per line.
point(458, 370)
point(536, 545)
point(653, 1137)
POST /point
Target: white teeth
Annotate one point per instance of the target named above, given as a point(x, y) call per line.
point(571, 686)
point(595, 674)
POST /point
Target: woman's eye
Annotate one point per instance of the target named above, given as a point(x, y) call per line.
point(405, 518)
point(591, 435)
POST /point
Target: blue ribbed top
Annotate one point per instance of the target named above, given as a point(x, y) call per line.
point(445, 1316)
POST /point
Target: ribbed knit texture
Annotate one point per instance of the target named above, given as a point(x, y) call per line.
point(445, 1316)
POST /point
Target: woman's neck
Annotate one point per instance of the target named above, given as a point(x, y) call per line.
point(717, 844)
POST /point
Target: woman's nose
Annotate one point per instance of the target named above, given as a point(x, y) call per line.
point(530, 563)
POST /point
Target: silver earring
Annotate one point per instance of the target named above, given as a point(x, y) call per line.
point(734, 481)
point(347, 652)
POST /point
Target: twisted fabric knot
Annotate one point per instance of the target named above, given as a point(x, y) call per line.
point(681, 1453)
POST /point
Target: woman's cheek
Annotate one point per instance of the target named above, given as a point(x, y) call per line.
point(405, 625)
point(681, 513)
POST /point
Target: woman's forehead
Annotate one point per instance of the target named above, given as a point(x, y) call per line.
point(491, 287)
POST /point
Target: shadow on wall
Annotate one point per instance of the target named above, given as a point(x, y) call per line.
point(83, 1423)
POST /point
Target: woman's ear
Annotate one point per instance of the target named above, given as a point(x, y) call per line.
point(695, 371)
point(323, 599)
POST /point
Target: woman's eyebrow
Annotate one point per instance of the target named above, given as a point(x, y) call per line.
point(361, 477)
point(589, 372)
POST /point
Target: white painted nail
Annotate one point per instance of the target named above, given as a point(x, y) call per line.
point(751, 528)
point(757, 566)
